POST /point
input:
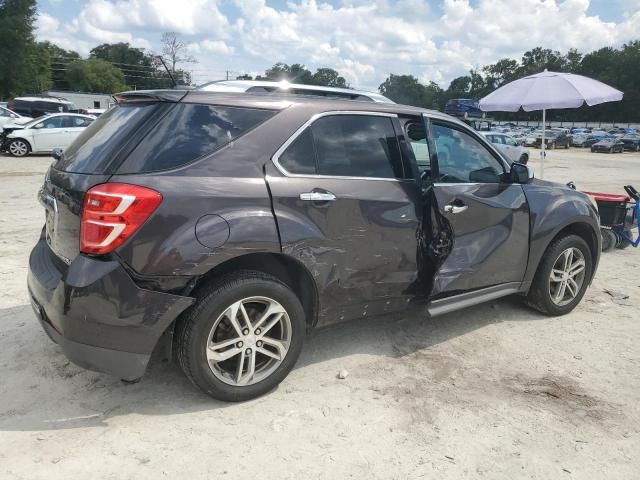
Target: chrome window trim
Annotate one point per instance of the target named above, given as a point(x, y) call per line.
point(276, 156)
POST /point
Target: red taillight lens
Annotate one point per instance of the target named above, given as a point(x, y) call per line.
point(111, 213)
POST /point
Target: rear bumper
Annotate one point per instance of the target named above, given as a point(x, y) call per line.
point(100, 318)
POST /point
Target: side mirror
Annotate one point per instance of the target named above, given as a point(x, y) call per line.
point(57, 153)
point(521, 173)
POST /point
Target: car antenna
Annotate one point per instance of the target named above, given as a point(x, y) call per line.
point(173, 80)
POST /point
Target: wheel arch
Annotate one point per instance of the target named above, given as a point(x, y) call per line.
point(582, 229)
point(284, 267)
point(13, 139)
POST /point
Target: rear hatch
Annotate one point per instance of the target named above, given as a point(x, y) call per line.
point(90, 160)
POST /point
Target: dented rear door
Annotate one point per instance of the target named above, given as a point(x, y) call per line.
point(355, 234)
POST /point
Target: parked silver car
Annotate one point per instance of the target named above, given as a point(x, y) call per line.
point(508, 146)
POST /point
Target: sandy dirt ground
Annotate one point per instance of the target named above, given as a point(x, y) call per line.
point(496, 391)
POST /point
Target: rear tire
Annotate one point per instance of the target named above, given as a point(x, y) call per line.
point(523, 159)
point(220, 372)
point(547, 295)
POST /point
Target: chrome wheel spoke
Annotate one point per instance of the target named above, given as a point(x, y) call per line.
point(559, 296)
point(214, 355)
point(232, 314)
point(245, 316)
point(572, 286)
point(277, 344)
point(240, 368)
point(273, 308)
point(251, 369)
point(556, 275)
point(269, 353)
point(576, 268)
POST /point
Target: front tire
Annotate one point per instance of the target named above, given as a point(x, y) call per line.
point(242, 337)
point(562, 277)
point(523, 159)
point(19, 148)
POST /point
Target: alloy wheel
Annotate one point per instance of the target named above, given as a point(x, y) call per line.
point(18, 148)
point(249, 341)
point(567, 276)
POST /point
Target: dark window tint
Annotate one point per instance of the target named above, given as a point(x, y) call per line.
point(299, 157)
point(93, 150)
point(357, 146)
point(188, 132)
point(463, 159)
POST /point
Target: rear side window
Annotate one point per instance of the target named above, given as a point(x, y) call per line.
point(346, 146)
point(190, 131)
point(94, 149)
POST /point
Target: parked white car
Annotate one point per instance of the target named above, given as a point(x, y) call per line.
point(7, 116)
point(508, 147)
point(46, 133)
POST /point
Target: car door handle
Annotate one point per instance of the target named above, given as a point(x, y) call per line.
point(455, 208)
point(318, 196)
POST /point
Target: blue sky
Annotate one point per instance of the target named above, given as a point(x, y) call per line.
point(364, 40)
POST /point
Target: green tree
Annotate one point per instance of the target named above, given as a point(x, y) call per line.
point(499, 73)
point(58, 60)
point(141, 70)
point(405, 89)
point(95, 75)
point(16, 39)
point(38, 69)
point(328, 77)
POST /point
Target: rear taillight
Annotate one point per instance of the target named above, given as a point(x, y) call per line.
point(111, 213)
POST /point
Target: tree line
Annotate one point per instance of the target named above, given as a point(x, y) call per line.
point(28, 66)
point(618, 67)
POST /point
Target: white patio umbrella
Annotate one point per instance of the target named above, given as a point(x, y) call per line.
point(548, 90)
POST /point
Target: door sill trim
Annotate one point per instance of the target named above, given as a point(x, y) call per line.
point(468, 299)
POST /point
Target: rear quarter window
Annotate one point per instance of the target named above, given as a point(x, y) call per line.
point(188, 132)
point(94, 150)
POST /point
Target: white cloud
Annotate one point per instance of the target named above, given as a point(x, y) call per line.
point(363, 39)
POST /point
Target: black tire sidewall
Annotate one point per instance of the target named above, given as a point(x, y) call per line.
point(608, 240)
point(539, 296)
point(210, 307)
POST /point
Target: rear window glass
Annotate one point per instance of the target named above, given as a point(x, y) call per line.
point(93, 150)
point(188, 132)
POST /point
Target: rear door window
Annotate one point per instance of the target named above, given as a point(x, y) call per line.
point(357, 146)
point(188, 132)
point(345, 146)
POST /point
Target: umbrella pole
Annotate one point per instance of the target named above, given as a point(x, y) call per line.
point(542, 145)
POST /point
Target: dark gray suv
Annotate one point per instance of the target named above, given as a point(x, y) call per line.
point(227, 225)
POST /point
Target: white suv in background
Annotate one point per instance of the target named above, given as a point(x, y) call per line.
point(508, 147)
point(45, 133)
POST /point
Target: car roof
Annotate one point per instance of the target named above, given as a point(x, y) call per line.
point(265, 86)
point(280, 101)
